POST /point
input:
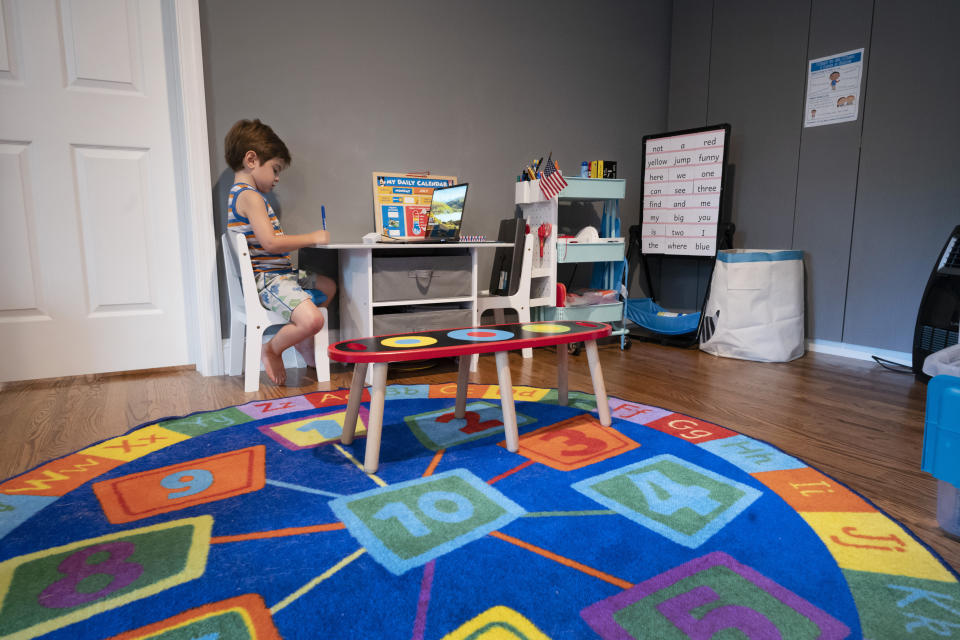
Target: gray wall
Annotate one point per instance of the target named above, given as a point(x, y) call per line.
point(472, 89)
point(870, 202)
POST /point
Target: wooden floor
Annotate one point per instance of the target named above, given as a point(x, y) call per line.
point(851, 419)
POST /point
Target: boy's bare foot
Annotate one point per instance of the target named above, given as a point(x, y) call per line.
point(273, 363)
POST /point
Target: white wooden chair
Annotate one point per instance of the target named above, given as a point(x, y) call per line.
point(519, 301)
point(249, 319)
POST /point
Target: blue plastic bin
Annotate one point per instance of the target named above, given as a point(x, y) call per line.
point(941, 447)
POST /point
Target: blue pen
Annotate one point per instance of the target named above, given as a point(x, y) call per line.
point(323, 217)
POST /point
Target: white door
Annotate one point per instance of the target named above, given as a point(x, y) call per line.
point(91, 275)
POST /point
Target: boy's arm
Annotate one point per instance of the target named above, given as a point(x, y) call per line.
point(252, 207)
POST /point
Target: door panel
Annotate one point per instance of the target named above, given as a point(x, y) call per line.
point(93, 279)
point(9, 39)
point(101, 43)
point(19, 297)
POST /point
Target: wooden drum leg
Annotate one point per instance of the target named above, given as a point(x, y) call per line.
point(599, 390)
point(463, 379)
point(562, 360)
point(506, 402)
point(353, 403)
point(371, 459)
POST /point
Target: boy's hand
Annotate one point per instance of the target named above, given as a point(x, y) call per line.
point(320, 236)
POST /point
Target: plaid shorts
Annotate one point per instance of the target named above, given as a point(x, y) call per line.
point(282, 292)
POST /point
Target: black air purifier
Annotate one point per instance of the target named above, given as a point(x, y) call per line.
point(940, 306)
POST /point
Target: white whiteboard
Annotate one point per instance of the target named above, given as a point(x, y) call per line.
point(682, 186)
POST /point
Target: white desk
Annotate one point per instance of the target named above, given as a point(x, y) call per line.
point(355, 295)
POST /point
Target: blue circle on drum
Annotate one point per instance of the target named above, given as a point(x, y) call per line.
point(481, 335)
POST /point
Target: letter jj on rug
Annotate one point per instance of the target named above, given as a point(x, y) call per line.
point(254, 522)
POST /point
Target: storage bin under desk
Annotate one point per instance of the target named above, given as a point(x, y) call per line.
point(405, 277)
point(402, 321)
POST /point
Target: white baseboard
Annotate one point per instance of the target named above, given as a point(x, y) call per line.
point(292, 360)
point(859, 352)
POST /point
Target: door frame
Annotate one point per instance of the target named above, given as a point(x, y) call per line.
point(181, 26)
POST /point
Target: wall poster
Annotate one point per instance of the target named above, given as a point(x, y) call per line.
point(833, 89)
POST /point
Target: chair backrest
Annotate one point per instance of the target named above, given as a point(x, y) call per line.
point(232, 271)
point(526, 266)
point(241, 285)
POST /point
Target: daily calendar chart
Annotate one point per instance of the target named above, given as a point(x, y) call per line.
point(401, 202)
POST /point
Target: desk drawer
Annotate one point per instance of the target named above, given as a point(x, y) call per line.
point(419, 277)
point(388, 323)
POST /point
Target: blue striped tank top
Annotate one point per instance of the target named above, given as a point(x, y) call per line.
point(263, 261)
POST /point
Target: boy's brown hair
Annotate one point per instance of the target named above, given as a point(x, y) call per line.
point(247, 135)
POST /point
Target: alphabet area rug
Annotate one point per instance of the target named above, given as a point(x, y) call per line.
point(255, 522)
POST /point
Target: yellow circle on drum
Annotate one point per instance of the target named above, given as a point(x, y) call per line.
point(546, 328)
point(408, 342)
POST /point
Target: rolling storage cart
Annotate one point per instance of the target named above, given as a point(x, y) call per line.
point(541, 213)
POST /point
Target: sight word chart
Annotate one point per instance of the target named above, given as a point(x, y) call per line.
point(682, 185)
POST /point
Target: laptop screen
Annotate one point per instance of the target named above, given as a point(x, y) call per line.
point(446, 211)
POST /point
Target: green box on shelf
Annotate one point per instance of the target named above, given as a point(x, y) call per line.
point(593, 189)
point(590, 251)
point(612, 312)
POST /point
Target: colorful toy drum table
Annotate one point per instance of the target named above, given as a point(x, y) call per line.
point(497, 339)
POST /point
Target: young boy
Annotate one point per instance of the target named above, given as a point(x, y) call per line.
point(257, 156)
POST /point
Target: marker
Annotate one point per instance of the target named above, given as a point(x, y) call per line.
point(323, 217)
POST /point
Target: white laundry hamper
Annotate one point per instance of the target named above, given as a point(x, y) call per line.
point(755, 309)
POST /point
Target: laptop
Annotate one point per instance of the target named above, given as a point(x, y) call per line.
point(444, 218)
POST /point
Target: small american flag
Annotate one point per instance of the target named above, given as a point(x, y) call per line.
point(552, 181)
